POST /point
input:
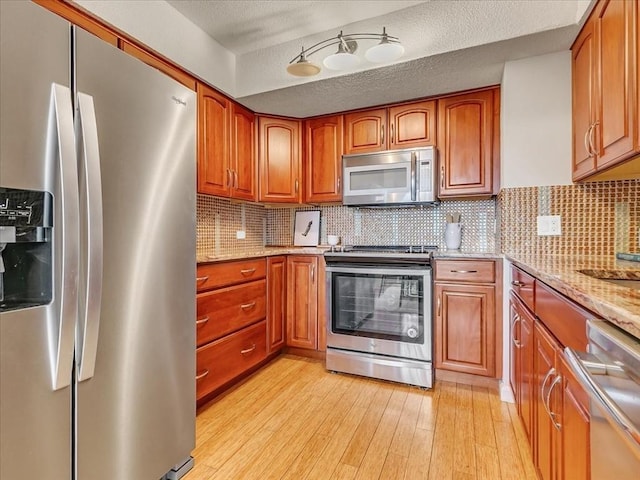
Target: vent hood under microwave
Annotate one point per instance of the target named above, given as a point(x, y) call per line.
point(394, 177)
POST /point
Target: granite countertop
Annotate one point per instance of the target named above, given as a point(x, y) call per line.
point(466, 254)
point(321, 249)
point(617, 304)
point(262, 252)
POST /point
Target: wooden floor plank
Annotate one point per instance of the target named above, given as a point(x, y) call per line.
point(374, 458)
point(523, 444)
point(360, 442)
point(464, 453)
point(394, 467)
point(441, 467)
point(401, 443)
point(294, 420)
point(488, 465)
point(420, 455)
point(510, 461)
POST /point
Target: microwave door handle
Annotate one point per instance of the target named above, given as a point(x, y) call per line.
point(414, 161)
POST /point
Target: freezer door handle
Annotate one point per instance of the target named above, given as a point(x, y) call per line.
point(62, 134)
point(91, 193)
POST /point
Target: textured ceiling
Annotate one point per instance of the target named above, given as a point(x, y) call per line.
point(449, 46)
point(244, 26)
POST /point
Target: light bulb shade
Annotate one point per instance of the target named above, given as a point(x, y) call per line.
point(384, 52)
point(341, 61)
point(303, 68)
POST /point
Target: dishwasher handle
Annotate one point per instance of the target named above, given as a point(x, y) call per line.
point(581, 364)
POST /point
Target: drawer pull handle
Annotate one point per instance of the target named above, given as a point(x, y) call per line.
point(517, 283)
point(247, 306)
point(464, 271)
point(202, 279)
point(248, 350)
point(202, 375)
point(247, 271)
point(202, 320)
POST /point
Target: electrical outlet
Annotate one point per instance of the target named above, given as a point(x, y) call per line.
point(241, 234)
point(549, 225)
point(555, 226)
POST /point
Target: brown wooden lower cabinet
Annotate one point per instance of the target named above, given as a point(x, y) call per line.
point(302, 301)
point(276, 302)
point(231, 329)
point(465, 320)
point(553, 406)
point(521, 375)
point(223, 360)
point(466, 328)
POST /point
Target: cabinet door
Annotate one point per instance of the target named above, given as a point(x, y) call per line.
point(515, 358)
point(302, 301)
point(279, 160)
point(465, 143)
point(276, 302)
point(213, 142)
point(465, 328)
point(365, 131)
point(546, 445)
point(412, 125)
point(243, 160)
point(526, 373)
point(617, 112)
point(583, 89)
point(323, 160)
point(574, 460)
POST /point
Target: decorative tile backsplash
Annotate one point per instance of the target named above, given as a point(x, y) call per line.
point(394, 226)
point(599, 218)
point(219, 219)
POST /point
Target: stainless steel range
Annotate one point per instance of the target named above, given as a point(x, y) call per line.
point(379, 317)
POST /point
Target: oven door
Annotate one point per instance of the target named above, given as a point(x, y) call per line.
point(382, 310)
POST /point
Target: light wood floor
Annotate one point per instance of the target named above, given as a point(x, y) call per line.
point(294, 420)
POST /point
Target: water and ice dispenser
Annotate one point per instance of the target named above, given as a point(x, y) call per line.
point(26, 263)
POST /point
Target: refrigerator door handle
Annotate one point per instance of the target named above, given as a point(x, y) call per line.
point(61, 135)
point(89, 320)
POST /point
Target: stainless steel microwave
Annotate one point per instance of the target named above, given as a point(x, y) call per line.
point(394, 177)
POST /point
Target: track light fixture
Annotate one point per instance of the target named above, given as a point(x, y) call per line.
point(388, 50)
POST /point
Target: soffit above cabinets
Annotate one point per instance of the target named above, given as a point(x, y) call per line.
point(449, 46)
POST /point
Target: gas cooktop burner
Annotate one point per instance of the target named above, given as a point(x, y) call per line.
point(381, 254)
point(412, 249)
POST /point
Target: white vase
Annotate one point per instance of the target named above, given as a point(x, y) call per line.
point(453, 236)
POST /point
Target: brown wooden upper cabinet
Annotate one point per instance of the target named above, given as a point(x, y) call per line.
point(468, 132)
point(323, 159)
point(605, 89)
point(243, 157)
point(402, 126)
point(279, 160)
point(226, 159)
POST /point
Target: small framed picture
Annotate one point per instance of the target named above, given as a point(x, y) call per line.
point(307, 228)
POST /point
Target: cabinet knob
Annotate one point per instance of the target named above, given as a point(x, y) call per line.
point(202, 375)
point(248, 350)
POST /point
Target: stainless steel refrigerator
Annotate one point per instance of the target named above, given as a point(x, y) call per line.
point(97, 232)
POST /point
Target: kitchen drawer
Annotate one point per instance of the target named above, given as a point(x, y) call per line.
point(566, 320)
point(524, 285)
point(474, 271)
point(221, 361)
point(215, 275)
point(227, 310)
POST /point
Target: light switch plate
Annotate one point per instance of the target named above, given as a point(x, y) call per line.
point(241, 234)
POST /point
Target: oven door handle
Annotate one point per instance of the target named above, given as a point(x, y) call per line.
point(381, 270)
point(599, 396)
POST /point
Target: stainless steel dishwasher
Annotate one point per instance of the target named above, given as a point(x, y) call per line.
point(610, 373)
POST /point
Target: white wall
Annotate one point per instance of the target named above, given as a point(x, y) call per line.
point(164, 29)
point(536, 121)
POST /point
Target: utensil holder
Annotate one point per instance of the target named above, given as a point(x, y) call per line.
point(453, 236)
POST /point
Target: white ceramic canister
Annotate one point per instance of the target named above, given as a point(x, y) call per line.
point(453, 236)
